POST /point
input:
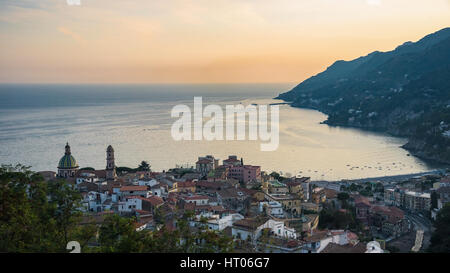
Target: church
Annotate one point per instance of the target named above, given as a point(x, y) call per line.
point(68, 167)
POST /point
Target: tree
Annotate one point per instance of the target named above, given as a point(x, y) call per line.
point(277, 176)
point(38, 216)
point(440, 239)
point(330, 218)
point(144, 166)
point(343, 196)
point(379, 187)
point(434, 199)
point(118, 234)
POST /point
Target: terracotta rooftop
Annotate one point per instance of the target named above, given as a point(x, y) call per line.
point(204, 161)
point(330, 193)
point(251, 223)
point(362, 200)
point(133, 188)
point(196, 197)
point(348, 248)
point(186, 184)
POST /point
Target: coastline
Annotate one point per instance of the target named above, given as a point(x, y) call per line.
point(388, 178)
point(409, 146)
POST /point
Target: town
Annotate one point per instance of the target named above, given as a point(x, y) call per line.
point(263, 212)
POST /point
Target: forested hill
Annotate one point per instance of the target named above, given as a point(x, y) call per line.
point(405, 92)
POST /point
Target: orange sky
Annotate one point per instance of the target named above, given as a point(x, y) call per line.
point(180, 41)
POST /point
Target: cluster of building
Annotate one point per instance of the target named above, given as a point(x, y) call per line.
point(418, 201)
point(242, 201)
point(406, 199)
point(381, 219)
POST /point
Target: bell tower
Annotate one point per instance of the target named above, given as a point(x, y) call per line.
point(110, 164)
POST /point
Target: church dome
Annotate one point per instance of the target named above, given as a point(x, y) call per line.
point(67, 162)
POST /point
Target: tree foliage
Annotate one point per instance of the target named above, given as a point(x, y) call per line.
point(440, 239)
point(40, 216)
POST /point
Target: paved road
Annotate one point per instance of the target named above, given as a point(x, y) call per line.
point(421, 223)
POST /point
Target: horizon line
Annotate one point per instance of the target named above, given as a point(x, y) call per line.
point(140, 83)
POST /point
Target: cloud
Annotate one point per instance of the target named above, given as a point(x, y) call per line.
point(71, 34)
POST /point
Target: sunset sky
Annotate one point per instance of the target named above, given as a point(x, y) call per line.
point(181, 41)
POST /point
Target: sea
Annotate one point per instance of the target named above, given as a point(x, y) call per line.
point(37, 120)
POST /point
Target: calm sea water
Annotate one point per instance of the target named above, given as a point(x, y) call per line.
point(37, 120)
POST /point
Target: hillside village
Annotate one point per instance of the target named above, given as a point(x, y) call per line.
point(262, 212)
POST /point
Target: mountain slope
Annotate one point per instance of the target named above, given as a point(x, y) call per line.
point(405, 92)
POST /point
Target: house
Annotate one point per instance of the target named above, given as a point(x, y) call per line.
point(217, 174)
point(205, 164)
point(211, 187)
point(185, 187)
point(362, 208)
point(96, 201)
point(256, 195)
point(306, 185)
point(444, 182)
point(417, 201)
point(144, 220)
point(232, 198)
point(133, 203)
point(347, 248)
point(88, 186)
point(251, 228)
point(248, 228)
point(134, 191)
point(319, 240)
point(245, 173)
point(276, 187)
point(310, 207)
point(310, 222)
point(272, 208)
point(410, 200)
point(232, 161)
point(389, 220)
point(158, 190)
point(218, 223)
point(149, 182)
point(290, 203)
point(196, 199)
point(86, 177)
point(318, 195)
point(305, 223)
point(444, 197)
point(295, 187)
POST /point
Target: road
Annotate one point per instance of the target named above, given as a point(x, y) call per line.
point(421, 223)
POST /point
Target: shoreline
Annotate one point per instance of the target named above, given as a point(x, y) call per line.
point(428, 160)
point(388, 178)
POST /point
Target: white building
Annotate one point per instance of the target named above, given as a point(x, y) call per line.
point(97, 201)
point(149, 182)
point(134, 191)
point(272, 208)
point(199, 200)
point(320, 240)
point(374, 247)
point(216, 223)
point(87, 177)
point(251, 229)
